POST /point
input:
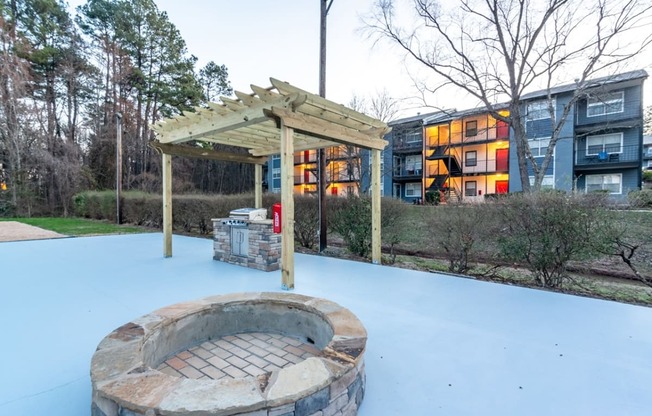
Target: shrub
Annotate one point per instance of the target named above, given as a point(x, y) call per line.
point(456, 229)
point(546, 230)
point(191, 213)
point(394, 224)
point(306, 220)
point(95, 204)
point(351, 219)
point(432, 198)
point(647, 176)
point(640, 199)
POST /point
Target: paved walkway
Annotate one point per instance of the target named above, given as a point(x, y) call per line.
point(438, 345)
point(17, 231)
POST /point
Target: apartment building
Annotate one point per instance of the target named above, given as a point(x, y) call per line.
point(343, 166)
point(600, 144)
point(647, 152)
point(466, 155)
point(454, 154)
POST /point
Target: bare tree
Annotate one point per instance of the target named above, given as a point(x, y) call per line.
point(499, 49)
point(647, 122)
point(382, 106)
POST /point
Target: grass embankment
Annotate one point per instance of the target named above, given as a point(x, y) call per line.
point(79, 226)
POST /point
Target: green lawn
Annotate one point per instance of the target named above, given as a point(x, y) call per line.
point(78, 226)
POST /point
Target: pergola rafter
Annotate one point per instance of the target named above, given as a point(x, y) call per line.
point(281, 119)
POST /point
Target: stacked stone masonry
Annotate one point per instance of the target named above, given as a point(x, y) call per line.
point(328, 380)
point(264, 247)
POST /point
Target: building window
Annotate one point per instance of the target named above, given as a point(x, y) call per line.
point(413, 189)
point(413, 164)
point(539, 147)
point(604, 143)
point(470, 188)
point(276, 173)
point(548, 182)
point(539, 110)
point(611, 183)
point(413, 136)
point(471, 158)
point(605, 104)
point(471, 128)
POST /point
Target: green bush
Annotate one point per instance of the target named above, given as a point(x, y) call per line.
point(99, 205)
point(350, 217)
point(190, 213)
point(433, 198)
point(647, 176)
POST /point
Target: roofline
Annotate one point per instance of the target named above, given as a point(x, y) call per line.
point(590, 83)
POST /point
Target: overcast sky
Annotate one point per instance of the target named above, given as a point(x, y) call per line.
point(258, 39)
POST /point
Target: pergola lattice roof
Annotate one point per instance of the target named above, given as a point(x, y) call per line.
point(252, 121)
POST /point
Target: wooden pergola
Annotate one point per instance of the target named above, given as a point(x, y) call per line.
point(281, 119)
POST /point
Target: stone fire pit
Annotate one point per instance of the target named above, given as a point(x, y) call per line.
point(262, 354)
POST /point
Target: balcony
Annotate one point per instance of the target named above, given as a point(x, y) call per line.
point(305, 179)
point(627, 157)
point(404, 146)
point(406, 175)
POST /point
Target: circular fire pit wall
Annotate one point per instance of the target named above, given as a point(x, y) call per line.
point(258, 353)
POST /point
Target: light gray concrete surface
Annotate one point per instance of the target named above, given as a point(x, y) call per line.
point(438, 345)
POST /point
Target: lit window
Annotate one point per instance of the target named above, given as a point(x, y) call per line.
point(470, 188)
point(604, 143)
point(471, 158)
point(602, 104)
point(611, 183)
point(471, 128)
point(539, 110)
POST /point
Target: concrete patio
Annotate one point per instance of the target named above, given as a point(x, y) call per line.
point(437, 345)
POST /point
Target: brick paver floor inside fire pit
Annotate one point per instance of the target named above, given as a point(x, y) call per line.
point(238, 356)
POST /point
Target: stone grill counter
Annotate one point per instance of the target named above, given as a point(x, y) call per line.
point(249, 243)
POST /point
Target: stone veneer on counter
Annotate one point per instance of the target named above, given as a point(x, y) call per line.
point(264, 251)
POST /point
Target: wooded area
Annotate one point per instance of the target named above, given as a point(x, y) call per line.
point(66, 78)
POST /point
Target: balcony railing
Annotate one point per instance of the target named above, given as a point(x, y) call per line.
point(407, 146)
point(627, 155)
point(407, 172)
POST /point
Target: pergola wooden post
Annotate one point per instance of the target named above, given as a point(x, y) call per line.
point(375, 206)
point(166, 167)
point(287, 207)
point(280, 119)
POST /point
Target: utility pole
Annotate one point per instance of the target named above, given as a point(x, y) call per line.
point(118, 166)
point(321, 153)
